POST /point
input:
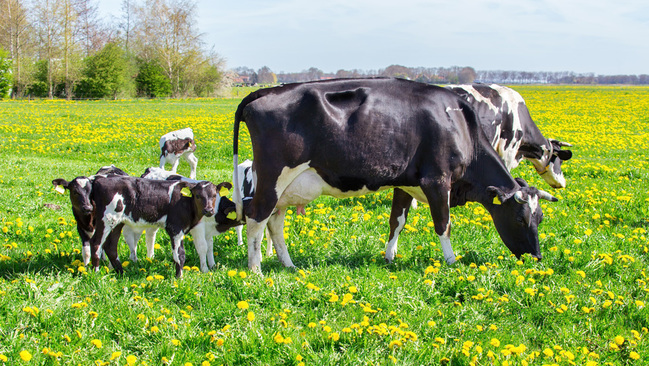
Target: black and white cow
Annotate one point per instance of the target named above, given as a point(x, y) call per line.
point(209, 227)
point(177, 144)
point(349, 137)
point(175, 206)
point(83, 208)
point(506, 121)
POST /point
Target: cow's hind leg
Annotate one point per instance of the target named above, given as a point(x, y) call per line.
point(150, 235)
point(255, 233)
point(276, 229)
point(439, 198)
point(132, 236)
point(401, 202)
point(193, 161)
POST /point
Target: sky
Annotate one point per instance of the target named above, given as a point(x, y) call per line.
point(603, 37)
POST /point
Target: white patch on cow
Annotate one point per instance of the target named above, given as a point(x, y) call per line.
point(533, 202)
point(447, 249)
point(391, 247)
point(479, 97)
point(200, 242)
point(449, 109)
point(83, 182)
point(86, 255)
point(171, 190)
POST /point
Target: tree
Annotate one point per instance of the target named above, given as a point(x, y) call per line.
point(5, 74)
point(466, 75)
point(266, 76)
point(15, 37)
point(104, 73)
point(152, 80)
point(47, 14)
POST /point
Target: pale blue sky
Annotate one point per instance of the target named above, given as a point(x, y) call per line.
point(603, 37)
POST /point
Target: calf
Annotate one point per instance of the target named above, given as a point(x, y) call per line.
point(83, 208)
point(174, 205)
point(177, 144)
point(209, 227)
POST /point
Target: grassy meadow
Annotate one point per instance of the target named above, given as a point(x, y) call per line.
point(585, 303)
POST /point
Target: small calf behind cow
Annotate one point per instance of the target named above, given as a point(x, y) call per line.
point(177, 144)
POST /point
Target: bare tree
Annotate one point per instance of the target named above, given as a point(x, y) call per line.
point(47, 14)
point(15, 37)
point(91, 32)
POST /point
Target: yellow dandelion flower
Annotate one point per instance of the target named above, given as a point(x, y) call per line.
point(25, 355)
point(243, 305)
point(131, 360)
point(251, 316)
point(97, 343)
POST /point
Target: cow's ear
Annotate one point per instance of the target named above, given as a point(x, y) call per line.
point(224, 188)
point(496, 194)
point(521, 182)
point(563, 154)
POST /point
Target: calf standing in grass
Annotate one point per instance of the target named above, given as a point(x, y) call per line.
point(209, 227)
point(141, 203)
point(177, 144)
point(83, 209)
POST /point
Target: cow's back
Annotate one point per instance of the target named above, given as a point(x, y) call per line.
point(371, 132)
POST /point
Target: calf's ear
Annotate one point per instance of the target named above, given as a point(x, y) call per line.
point(564, 154)
point(224, 188)
point(60, 185)
point(185, 189)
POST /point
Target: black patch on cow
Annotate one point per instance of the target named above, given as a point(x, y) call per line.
point(177, 146)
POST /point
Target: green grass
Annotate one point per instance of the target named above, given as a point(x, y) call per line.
point(584, 302)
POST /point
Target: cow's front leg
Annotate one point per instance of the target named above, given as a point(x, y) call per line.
point(400, 205)
point(276, 229)
point(439, 198)
point(178, 252)
point(110, 248)
point(174, 164)
point(209, 239)
point(97, 242)
point(198, 233)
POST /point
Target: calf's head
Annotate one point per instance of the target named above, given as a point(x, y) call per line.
point(80, 189)
point(206, 195)
point(517, 215)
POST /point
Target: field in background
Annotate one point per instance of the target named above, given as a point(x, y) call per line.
point(584, 303)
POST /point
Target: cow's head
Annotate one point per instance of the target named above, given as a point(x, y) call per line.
point(226, 215)
point(80, 189)
point(552, 173)
point(205, 195)
point(517, 215)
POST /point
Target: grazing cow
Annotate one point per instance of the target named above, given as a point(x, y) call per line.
point(349, 137)
point(175, 205)
point(209, 227)
point(506, 121)
point(83, 210)
point(177, 144)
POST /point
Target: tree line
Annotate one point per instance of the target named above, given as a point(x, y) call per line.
point(65, 49)
point(440, 75)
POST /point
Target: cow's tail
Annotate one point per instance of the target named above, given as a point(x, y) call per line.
point(238, 117)
point(236, 193)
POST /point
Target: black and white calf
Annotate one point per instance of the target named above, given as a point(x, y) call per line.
point(177, 144)
point(209, 227)
point(83, 208)
point(350, 137)
point(506, 121)
point(175, 206)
